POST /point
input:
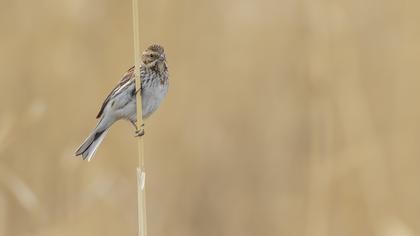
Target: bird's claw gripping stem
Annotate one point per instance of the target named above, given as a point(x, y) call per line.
point(139, 132)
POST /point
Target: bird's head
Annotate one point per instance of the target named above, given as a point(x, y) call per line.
point(154, 57)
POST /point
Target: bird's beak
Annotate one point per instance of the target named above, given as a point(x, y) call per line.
point(162, 57)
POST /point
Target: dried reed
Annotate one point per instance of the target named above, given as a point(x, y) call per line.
point(141, 191)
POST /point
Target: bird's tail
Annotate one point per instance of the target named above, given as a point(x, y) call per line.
point(92, 142)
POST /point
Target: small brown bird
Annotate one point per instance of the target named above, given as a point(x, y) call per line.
point(121, 102)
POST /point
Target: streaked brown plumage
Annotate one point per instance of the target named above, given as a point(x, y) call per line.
point(121, 102)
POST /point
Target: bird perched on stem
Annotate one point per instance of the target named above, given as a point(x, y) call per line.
point(121, 102)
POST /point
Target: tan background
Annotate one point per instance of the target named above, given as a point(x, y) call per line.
point(284, 117)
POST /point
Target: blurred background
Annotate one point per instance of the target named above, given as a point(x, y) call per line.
point(283, 117)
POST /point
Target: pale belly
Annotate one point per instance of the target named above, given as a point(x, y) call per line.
point(151, 99)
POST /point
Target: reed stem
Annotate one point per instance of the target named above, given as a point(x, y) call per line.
point(141, 174)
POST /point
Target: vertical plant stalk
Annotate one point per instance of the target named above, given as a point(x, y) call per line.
point(141, 174)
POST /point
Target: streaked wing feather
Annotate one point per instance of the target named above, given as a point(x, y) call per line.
point(126, 77)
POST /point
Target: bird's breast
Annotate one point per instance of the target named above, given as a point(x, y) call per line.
point(152, 96)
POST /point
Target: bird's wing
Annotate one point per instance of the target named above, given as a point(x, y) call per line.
point(126, 79)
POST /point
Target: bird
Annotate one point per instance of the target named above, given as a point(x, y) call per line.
point(120, 104)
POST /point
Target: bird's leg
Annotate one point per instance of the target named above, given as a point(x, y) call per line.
point(134, 124)
point(138, 132)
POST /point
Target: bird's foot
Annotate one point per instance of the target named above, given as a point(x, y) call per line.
point(139, 132)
